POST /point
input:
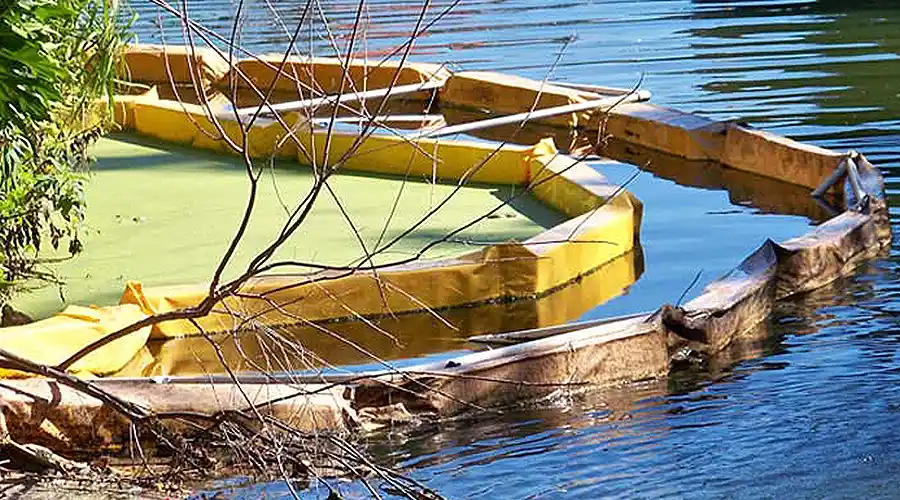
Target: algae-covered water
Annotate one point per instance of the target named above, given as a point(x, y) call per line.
point(810, 413)
point(164, 215)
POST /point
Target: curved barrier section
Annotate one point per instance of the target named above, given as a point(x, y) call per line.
point(604, 224)
point(603, 227)
point(164, 65)
point(245, 352)
point(309, 77)
point(52, 340)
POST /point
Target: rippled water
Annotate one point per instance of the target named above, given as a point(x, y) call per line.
point(813, 411)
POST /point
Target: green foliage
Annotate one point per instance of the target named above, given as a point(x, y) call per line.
point(56, 58)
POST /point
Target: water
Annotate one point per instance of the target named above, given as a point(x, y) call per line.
point(810, 413)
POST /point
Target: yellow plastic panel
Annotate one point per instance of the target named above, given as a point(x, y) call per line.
point(168, 120)
point(663, 129)
point(265, 138)
point(158, 64)
point(123, 107)
point(53, 340)
point(569, 185)
point(325, 74)
point(507, 94)
point(424, 159)
point(778, 157)
point(584, 243)
point(412, 335)
point(507, 270)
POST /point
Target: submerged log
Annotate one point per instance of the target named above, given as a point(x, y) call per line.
point(44, 412)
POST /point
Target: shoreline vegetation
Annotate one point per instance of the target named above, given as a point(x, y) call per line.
point(57, 59)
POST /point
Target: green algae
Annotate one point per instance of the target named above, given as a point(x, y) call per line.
point(164, 215)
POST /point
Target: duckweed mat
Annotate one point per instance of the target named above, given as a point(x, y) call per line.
point(164, 215)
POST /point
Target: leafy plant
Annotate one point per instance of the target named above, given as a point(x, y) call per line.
point(57, 57)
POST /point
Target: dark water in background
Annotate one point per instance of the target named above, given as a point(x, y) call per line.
point(813, 412)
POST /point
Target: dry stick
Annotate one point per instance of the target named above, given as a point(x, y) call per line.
point(297, 351)
point(344, 74)
point(372, 356)
point(362, 244)
point(354, 453)
point(332, 40)
point(281, 341)
point(126, 408)
point(198, 87)
point(315, 102)
point(406, 46)
point(602, 131)
point(240, 150)
point(389, 219)
point(279, 307)
point(689, 287)
point(291, 228)
point(396, 202)
point(200, 29)
point(271, 90)
point(224, 363)
point(331, 296)
point(329, 134)
point(520, 117)
point(253, 179)
point(357, 142)
point(207, 110)
point(364, 133)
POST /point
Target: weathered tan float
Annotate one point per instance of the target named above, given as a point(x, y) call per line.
point(582, 120)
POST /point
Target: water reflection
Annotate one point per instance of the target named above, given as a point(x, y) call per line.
point(766, 195)
point(405, 336)
point(781, 56)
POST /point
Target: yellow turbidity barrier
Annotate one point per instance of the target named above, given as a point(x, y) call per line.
point(250, 351)
point(304, 78)
point(604, 224)
point(437, 159)
point(535, 267)
point(507, 94)
point(606, 230)
point(157, 64)
point(54, 339)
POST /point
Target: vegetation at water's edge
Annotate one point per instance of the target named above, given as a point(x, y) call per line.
point(57, 57)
